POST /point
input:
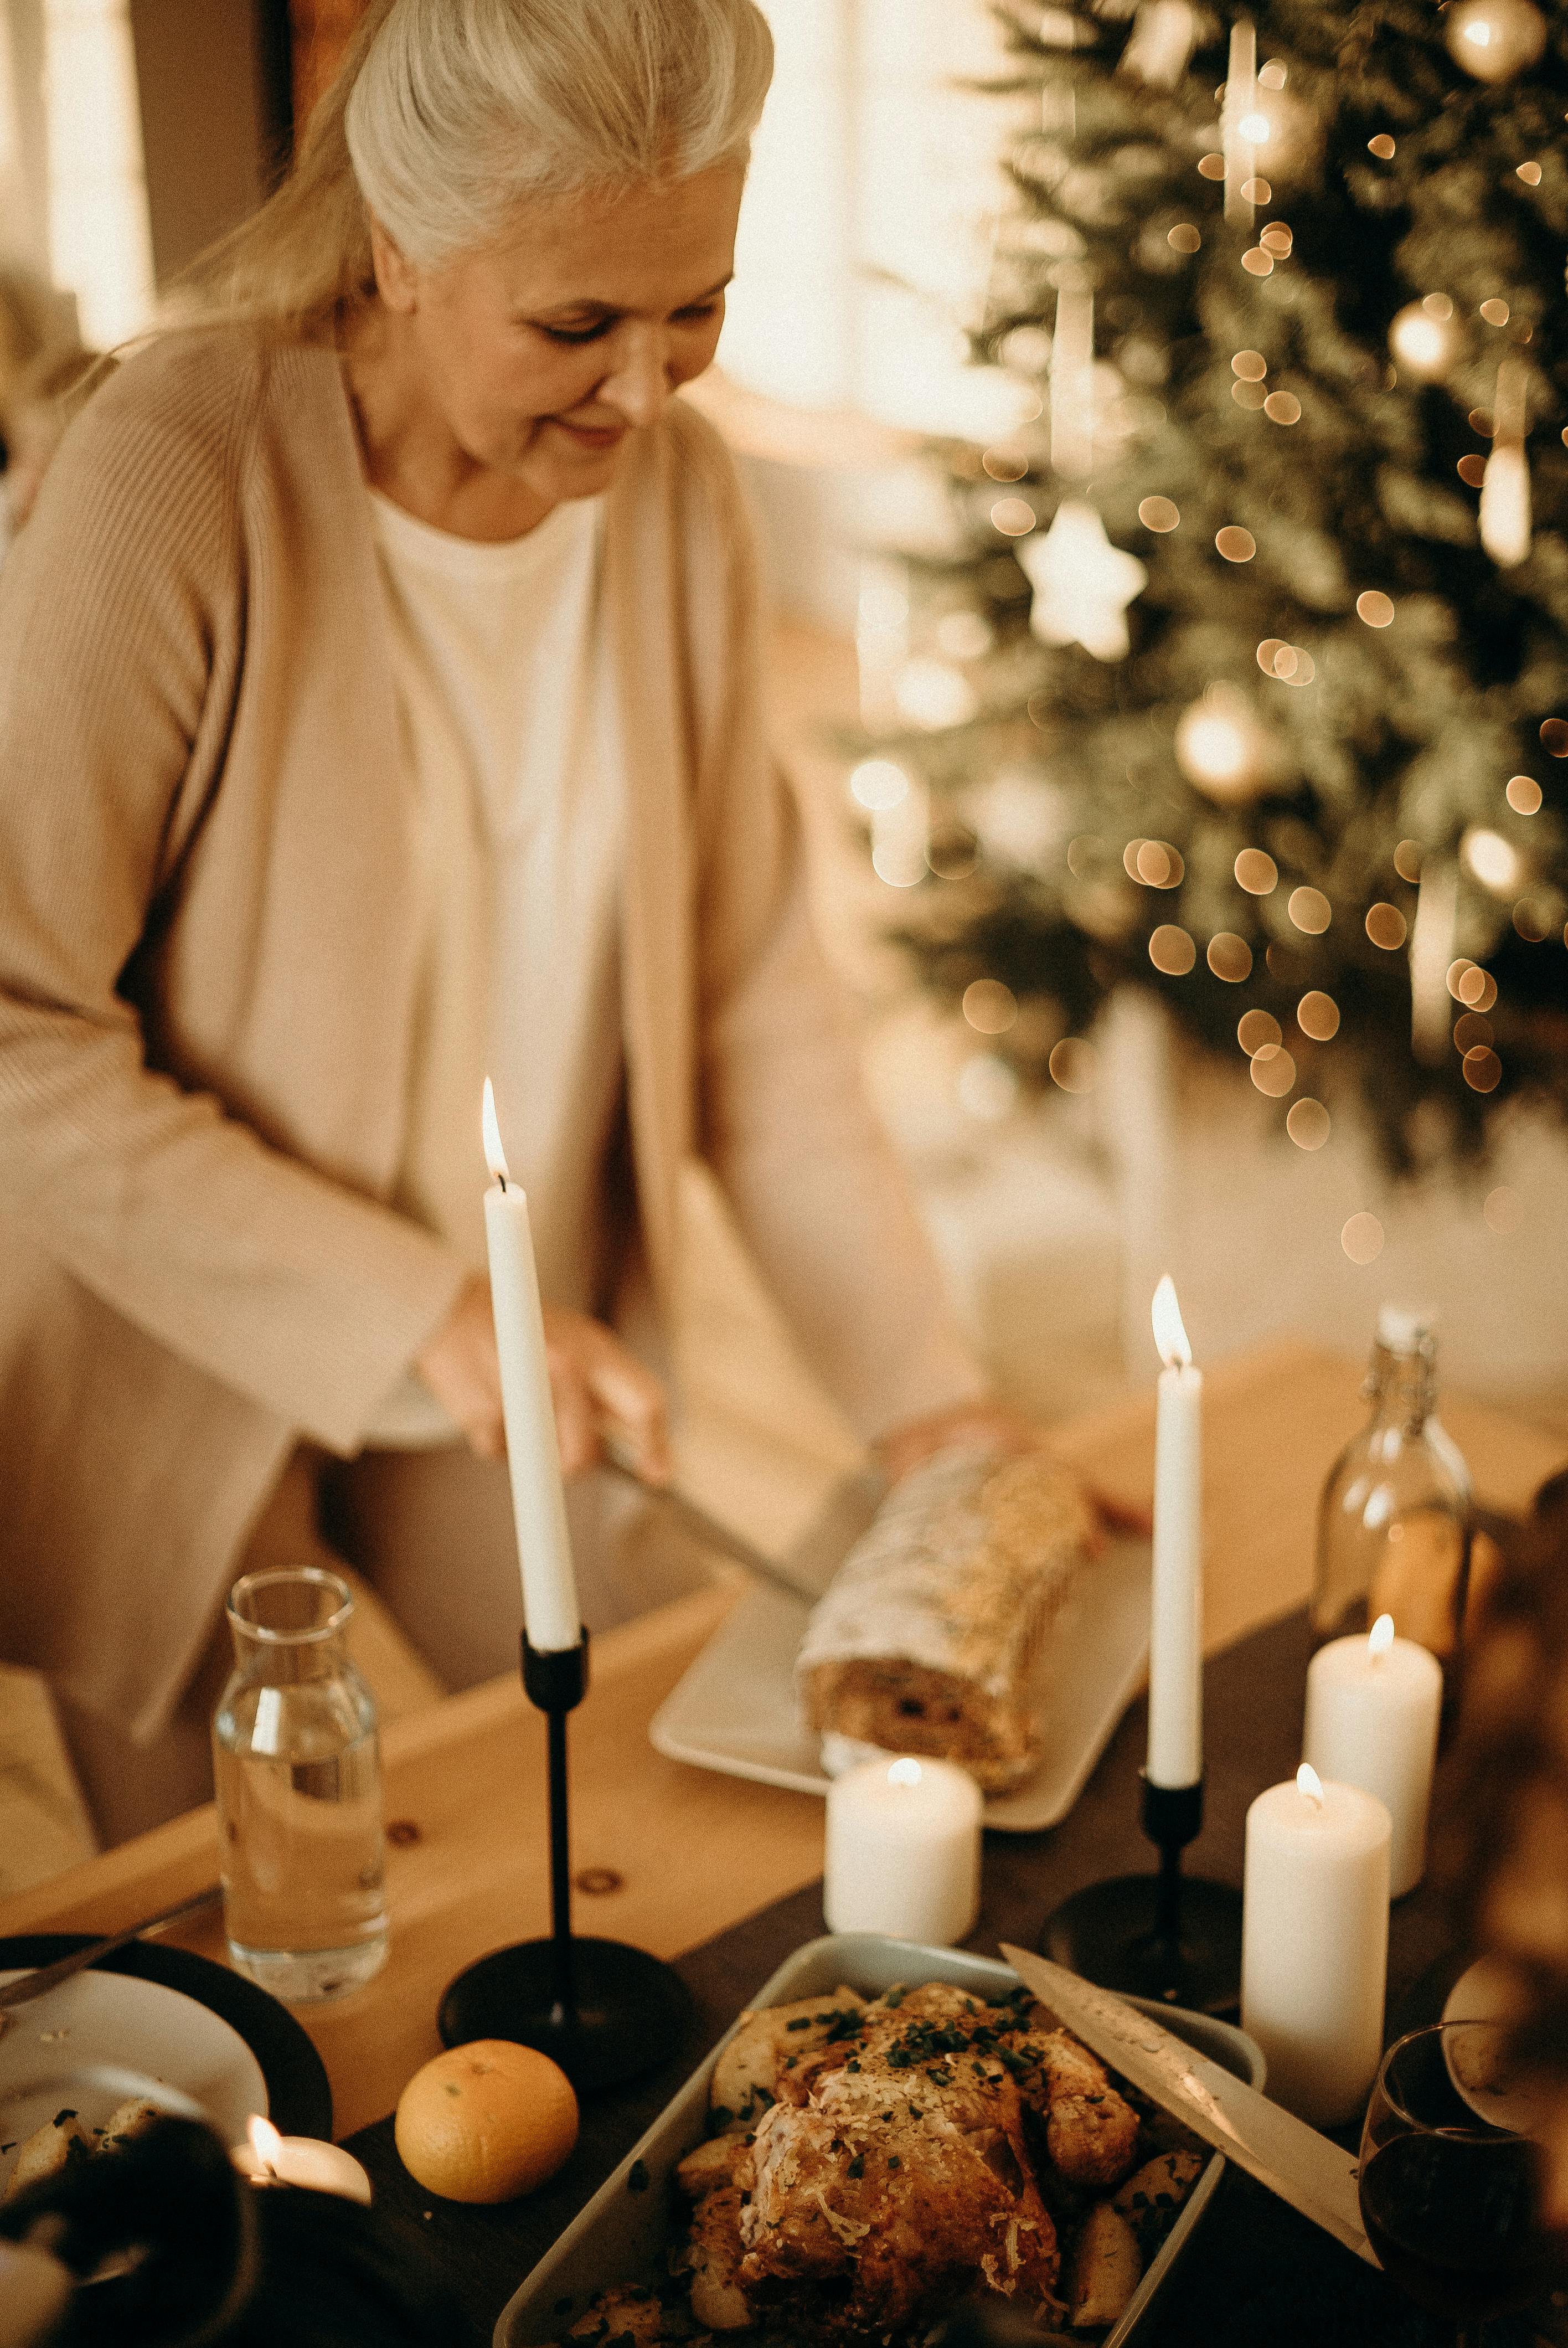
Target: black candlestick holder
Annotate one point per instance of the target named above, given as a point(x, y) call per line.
point(1172, 1937)
point(604, 2010)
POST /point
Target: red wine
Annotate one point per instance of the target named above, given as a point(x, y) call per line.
point(1451, 2219)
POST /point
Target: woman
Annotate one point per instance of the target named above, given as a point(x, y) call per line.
point(379, 704)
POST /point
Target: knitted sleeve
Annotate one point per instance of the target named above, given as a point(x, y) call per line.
point(121, 638)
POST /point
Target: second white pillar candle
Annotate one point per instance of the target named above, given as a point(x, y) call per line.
point(1372, 1710)
point(1314, 1944)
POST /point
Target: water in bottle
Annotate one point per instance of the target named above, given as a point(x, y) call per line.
point(298, 1770)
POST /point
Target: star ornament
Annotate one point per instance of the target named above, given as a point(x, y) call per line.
point(1082, 585)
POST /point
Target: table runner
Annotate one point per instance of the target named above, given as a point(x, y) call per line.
point(1256, 2272)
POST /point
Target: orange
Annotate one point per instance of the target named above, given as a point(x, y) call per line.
point(485, 2122)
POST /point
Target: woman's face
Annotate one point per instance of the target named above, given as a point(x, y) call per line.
point(538, 354)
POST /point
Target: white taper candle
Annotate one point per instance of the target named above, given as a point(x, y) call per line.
point(533, 1457)
point(1176, 1608)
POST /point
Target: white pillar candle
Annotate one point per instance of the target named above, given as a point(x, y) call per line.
point(533, 1457)
point(1372, 1707)
point(1176, 1608)
point(903, 1852)
point(269, 2159)
point(1315, 1944)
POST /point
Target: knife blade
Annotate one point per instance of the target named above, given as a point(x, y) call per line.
point(1282, 2152)
point(708, 1529)
point(43, 1978)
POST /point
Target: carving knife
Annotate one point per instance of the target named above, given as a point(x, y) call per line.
point(708, 1529)
point(1282, 2152)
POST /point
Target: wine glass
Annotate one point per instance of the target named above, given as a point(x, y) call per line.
point(1447, 2193)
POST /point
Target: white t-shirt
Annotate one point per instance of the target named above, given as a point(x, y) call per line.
point(507, 721)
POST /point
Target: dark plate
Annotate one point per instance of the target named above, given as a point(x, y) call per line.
point(299, 2099)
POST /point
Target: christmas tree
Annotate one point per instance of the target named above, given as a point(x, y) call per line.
point(1255, 638)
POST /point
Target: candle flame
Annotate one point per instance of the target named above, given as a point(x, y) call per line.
point(495, 1156)
point(905, 1773)
point(265, 2142)
point(1309, 1783)
point(1170, 1335)
point(1380, 1637)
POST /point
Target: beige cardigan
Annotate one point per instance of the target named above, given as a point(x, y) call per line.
point(205, 971)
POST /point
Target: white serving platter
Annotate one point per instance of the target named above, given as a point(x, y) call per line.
point(623, 2234)
point(735, 1709)
point(102, 2038)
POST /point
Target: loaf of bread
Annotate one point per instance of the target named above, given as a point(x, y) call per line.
point(928, 1639)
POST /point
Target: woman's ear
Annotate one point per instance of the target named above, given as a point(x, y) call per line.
point(397, 279)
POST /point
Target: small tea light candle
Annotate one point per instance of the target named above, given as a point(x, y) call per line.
point(903, 1852)
point(1315, 1944)
point(1372, 1707)
point(272, 2159)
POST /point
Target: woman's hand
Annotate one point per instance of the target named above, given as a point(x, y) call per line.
point(1007, 1430)
point(595, 1380)
point(906, 1447)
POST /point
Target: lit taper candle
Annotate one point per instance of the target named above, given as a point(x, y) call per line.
point(533, 1457)
point(1176, 1609)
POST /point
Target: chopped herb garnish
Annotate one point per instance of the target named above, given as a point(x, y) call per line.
point(857, 2166)
point(804, 2022)
point(637, 2178)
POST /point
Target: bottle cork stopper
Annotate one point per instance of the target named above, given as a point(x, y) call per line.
point(1401, 1330)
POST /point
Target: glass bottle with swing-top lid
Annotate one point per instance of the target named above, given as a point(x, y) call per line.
point(1393, 1524)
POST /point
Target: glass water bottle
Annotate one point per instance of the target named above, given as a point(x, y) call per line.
point(298, 1767)
point(1393, 1524)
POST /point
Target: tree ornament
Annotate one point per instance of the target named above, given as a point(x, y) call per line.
point(1505, 484)
point(1240, 121)
point(1072, 384)
point(1082, 585)
point(1424, 339)
point(1163, 37)
point(1224, 748)
point(1432, 953)
point(1495, 39)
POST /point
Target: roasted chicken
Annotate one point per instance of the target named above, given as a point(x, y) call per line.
point(871, 2164)
point(896, 2169)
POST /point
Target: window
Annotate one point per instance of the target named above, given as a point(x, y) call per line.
point(866, 229)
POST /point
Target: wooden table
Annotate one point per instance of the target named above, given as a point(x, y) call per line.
point(695, 1852)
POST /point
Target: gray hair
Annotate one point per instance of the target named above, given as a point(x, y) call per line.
point(462, 110)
